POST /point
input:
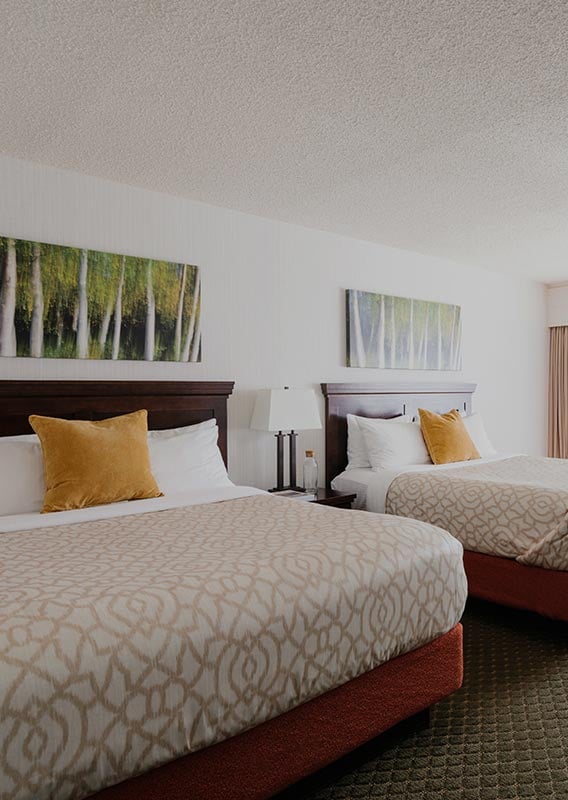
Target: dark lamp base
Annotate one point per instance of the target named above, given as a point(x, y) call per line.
point(280, 462)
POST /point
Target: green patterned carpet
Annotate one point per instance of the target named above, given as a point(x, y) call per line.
point(503, 736)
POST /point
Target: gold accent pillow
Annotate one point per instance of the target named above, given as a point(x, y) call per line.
point(446, 437)
point(93, 463)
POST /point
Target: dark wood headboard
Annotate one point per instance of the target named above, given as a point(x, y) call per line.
point(381, 400)
point(170, 404)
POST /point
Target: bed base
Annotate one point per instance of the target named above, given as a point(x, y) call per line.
point(505, 581)
point(263, 761)
point(319, 780)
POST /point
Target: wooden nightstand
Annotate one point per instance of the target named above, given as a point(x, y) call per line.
point(328, 497)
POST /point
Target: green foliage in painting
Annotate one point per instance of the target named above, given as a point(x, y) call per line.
point(402, 333)
point(66, 302)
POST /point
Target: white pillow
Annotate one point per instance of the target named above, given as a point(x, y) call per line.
point(391, 445)
point(476, 429)
point(170, 433)
point(187, 458)
point(357, 456)
point(22, 484)
point(26, 437)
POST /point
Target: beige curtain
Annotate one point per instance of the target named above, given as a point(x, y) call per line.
point(558, 393)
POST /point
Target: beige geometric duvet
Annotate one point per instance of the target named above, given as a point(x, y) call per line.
point(515, 507)
point(127, 642)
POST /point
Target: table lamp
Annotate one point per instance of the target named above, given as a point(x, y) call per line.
point(282, 410)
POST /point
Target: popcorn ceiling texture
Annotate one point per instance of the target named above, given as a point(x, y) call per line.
point(429, 125)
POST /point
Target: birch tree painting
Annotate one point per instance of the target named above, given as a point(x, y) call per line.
point(402, 333)
point(66, 302)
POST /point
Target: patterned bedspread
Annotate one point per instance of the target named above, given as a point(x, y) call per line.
point(127, 642)
point(515, 507)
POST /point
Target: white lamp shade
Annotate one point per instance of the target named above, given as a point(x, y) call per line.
point(286, 410)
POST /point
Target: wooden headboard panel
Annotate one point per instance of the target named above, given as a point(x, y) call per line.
point(170, 404)
point(381, 400)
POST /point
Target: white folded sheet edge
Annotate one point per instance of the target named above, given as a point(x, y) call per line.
point(28, 522)
point(375, 484)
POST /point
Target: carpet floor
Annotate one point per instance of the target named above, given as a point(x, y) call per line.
point(503, 736)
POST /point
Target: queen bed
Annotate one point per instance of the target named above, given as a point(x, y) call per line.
point(509, 511)
point(216, 642)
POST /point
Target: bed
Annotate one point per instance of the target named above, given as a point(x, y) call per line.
point(509, 511)
point(205, 644)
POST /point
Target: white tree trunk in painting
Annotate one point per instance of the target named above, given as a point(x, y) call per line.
point(393, 336)
point(439, 336)
point(381, 337)
point(82, 308)
point(372, 333)
point(196, 344)
point(425, 350)
point(187, 348)
point(453, 348)
point(8, 303)
point(59, 326)
point(456, 346)
point(420, 349)
point(360, 356)
point(150, 342)
point(411, 337)
point(179, 318)
point(118, 313)
point(36, 325)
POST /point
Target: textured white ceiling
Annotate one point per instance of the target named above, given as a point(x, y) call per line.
point(434, 125)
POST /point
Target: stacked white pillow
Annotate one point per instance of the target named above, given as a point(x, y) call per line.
point(181, 459)
point(187, 458)
point(392, 444)
point(476, 429)
point(357, 455)
point(21, 465)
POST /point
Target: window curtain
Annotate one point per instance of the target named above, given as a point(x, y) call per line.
point(558, 393)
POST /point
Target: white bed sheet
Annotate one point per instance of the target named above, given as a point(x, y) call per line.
point(372, 486)
point(28, 522)
point(356, 480)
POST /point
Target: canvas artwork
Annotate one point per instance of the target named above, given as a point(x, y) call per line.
point(68, 302)
point(402, 333)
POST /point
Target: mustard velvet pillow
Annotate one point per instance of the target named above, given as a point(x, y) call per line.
point(446, 437)
point(92, 463)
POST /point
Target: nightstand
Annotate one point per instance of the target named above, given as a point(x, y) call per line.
point(328, 497)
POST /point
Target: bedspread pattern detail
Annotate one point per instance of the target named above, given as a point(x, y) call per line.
point(515, 508)
point(127, 642)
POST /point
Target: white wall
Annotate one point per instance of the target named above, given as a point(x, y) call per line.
point(557, 305)
point(273, 305)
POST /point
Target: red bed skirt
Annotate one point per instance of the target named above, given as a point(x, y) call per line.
point(258, 763)
point(505, 581)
